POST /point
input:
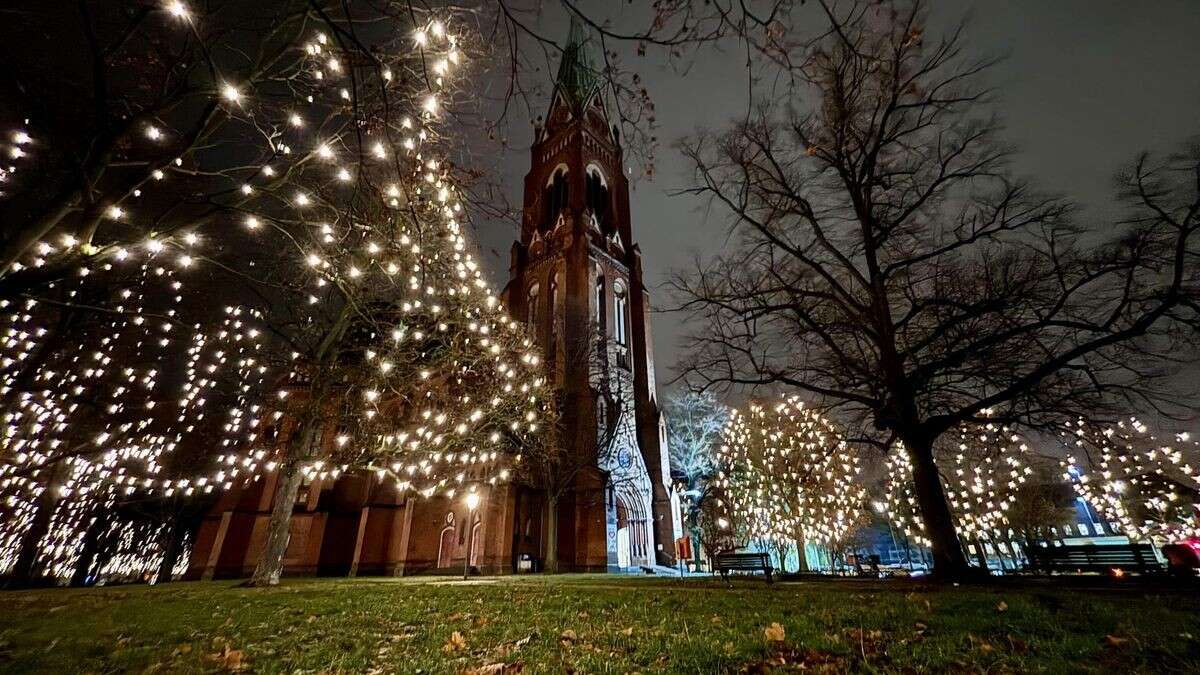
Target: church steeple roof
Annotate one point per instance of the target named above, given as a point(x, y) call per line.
point(578, 79)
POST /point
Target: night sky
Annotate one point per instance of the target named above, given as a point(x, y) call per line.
point(1086, 85)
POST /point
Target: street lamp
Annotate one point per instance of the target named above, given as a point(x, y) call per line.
point(472, 503)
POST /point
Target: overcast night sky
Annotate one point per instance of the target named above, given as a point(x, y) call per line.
point(1085, 86)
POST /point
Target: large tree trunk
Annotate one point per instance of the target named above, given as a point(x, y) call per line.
point(287, 486)
point(802, 556)
point(949, 561)
point(551, 563)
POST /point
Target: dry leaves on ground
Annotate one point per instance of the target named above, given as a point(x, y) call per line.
point(456, 643)
point(774, 632)
point(1114, 641)
point(496, 669)
point(229, 658)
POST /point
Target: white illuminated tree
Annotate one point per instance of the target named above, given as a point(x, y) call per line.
point(983, 471)
point(787, 474)
point(339, 321)
point(1142, 483)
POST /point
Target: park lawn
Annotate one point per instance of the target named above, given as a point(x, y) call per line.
point(595, 624)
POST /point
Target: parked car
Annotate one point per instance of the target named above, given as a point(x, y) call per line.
point(1183, 557)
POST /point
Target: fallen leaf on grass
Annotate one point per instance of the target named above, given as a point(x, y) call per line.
point(507, 648)
point(230, 659)
point(1017, 645)
point(1002, 607)
point(981, 644)
point(774, 632)
point(456, 643)
point(496, 669)
point(627, 632)
point(1114, 641)
point(568, 636)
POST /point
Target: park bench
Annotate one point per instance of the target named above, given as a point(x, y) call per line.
point(742, 562)
point(1093, 558)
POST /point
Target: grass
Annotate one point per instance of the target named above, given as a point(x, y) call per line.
point(594, 624)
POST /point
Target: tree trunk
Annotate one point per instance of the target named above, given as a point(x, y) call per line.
point(87, 556)
point(697, 559)
point(802, 556)
point(551, 563)
point(171, 551)
point(949, 561)
point(287, 486)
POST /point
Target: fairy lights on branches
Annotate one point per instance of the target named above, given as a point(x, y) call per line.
point(1144, 484)
point(787, 475)
point(982, 470)
point(338, 321)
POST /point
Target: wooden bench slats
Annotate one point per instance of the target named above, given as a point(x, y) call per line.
point(727, 562)
point(1134, 557)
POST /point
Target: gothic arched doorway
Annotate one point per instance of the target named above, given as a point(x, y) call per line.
point(446, 545)
point(633, 528)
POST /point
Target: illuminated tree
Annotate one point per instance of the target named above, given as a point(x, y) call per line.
point(983, 473)
point(351, 328)
point(786, 474)
point(1145, 485)
point(101, 415)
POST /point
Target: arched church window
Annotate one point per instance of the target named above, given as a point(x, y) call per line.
point(531, 306)
point(597, 195)
point(554, 197)
point(621, 316)
point(553, 306)
point(598, 302)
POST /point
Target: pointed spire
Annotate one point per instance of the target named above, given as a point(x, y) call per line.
point(578, 79)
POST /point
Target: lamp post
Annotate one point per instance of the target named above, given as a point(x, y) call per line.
point(472, 502)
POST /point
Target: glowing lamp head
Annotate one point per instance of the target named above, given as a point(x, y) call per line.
point(177, 9)
point(472, 500)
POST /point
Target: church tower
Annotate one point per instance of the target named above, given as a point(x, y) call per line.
point(576, 280)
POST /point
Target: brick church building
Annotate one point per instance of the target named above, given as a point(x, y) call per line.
point(576, 280)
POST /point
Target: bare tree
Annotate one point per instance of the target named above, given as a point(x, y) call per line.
point(560, 469)
point(694, 423)
point(884, 260)
point(1043, 504)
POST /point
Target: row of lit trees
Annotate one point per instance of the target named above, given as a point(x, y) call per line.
point(784, 475)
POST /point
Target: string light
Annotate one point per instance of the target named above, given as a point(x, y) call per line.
point(1134, 479)
point(786, 474)
point(166, 384)
point(981, 476)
